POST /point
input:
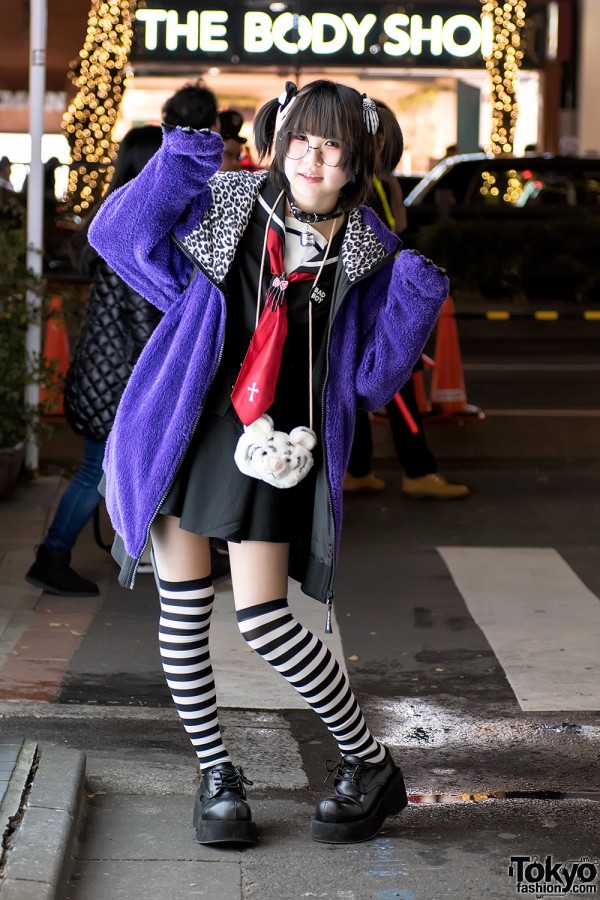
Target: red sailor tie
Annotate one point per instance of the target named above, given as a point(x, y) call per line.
point(254, 389)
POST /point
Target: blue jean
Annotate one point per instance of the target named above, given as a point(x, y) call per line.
point(80, 499)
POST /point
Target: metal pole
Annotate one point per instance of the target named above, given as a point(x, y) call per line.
point(35, 207)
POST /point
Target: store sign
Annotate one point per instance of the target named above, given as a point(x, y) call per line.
point(332, 34)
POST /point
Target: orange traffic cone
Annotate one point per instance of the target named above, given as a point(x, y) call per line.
point(57, 356)
point(448, 394)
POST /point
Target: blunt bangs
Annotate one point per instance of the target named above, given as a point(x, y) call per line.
point(331, 110)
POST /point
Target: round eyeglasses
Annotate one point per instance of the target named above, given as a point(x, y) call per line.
point(296, 145)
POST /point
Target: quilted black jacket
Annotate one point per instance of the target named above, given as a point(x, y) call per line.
point(117, 325)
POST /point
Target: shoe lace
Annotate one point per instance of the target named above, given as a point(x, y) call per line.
point(233, 780)
point(347, 770)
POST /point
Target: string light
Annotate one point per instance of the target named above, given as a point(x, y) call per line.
point(100, 76)
point(503, 63)
point(515, 184)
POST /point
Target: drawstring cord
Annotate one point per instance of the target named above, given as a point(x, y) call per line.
point(274, 300)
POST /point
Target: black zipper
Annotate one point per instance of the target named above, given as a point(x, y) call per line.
point(193, 260)
point(329, 594)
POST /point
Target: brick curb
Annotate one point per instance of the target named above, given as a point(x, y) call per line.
point(38, 853)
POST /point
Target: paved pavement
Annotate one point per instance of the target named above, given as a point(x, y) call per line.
point(449, 652)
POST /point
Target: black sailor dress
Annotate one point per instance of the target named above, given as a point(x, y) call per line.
point(210, 495)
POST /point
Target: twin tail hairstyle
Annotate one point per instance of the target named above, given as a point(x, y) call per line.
point(332, 110)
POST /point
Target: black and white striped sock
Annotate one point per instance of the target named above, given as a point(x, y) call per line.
point(186, 609)
point(310, 667)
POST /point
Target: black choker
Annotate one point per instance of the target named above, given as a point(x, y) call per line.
point(307, 238)
point(311, 218)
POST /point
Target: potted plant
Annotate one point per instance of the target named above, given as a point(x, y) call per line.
point(15, 370)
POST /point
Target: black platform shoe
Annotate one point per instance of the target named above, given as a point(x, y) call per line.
point(364, 795)
point(221, 814)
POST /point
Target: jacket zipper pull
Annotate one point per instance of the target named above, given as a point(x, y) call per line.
point(328, 628)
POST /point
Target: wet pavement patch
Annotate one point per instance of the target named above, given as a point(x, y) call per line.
point(481, 796)
point(115, 689)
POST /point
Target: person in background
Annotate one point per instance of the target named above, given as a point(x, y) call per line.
point(118, 322)
point(236, 154)
point(5, 169)
point(192, 106)
point(230, 122)
point(50, 167)
point(54, 248)
point(421, 479)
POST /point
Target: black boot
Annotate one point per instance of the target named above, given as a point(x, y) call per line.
point(52, 572)
point(364, 794)
point(221, 814)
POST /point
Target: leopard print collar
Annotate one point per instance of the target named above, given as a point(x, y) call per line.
point(213, 242)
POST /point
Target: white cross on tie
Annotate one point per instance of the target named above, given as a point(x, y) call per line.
point(253, 390)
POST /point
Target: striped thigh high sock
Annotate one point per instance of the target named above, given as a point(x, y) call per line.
point(310, 667)
point(185, 612)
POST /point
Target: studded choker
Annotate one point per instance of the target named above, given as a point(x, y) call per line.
point(307, 238)
point(311, 218)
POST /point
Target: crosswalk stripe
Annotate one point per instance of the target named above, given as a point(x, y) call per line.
point(540, 619)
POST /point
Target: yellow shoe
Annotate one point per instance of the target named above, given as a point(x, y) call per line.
point(434, 487)
point(364, 483)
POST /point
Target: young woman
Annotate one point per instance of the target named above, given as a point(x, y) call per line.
point(281, 295)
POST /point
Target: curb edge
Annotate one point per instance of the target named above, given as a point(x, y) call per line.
point(40, 850)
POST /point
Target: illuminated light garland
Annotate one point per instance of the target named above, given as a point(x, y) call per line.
point(100, 76)
point(503, 64)
point(515, 184)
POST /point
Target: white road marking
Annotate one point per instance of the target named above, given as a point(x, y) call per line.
point(540, 619)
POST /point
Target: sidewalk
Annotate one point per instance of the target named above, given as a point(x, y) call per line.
point(41, 789)
point(43, 786)
point(136, 776)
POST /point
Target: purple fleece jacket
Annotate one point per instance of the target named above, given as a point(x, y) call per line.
point(147, 231)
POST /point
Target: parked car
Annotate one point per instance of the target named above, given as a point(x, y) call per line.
point(521, 225)
point(482, 185)
point(408, 182)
